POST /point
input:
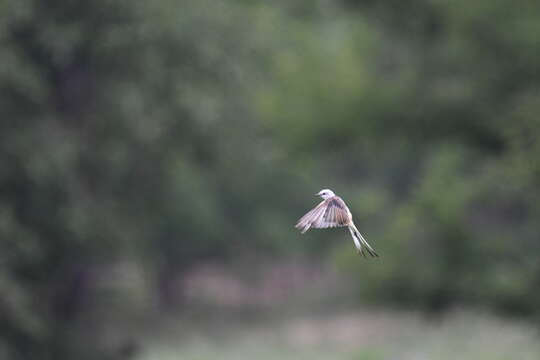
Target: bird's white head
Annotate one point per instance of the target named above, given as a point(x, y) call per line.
point(325, 193)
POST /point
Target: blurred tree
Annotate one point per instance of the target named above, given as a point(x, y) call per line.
point(469, 68)
point(123, 141)
point(419, 110)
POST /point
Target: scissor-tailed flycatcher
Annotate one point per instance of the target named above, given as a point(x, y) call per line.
point(333, 212)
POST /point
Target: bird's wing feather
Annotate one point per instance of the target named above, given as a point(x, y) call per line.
point(331, 212)
point(336, 214)
point(306, 220)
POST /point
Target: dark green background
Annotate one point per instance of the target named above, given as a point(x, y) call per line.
point(164, 133)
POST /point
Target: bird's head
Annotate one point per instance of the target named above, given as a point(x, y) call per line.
point(325, 193)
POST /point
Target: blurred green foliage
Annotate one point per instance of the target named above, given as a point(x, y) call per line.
point(140, 138)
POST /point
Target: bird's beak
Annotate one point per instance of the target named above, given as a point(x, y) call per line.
point(317, 194)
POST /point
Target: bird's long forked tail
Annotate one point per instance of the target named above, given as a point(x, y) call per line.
point(361, 243)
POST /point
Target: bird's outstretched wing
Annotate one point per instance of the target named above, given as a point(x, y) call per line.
point(331, 212)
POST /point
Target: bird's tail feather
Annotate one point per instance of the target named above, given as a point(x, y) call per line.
point(361, 243)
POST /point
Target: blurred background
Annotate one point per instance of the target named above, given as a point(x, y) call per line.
point(154, 157)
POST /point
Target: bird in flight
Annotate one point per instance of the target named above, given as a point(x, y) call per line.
point(333, 212)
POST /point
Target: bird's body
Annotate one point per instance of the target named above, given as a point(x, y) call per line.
point(333, 212)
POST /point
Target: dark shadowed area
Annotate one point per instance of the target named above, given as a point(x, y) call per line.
point(155, 156)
